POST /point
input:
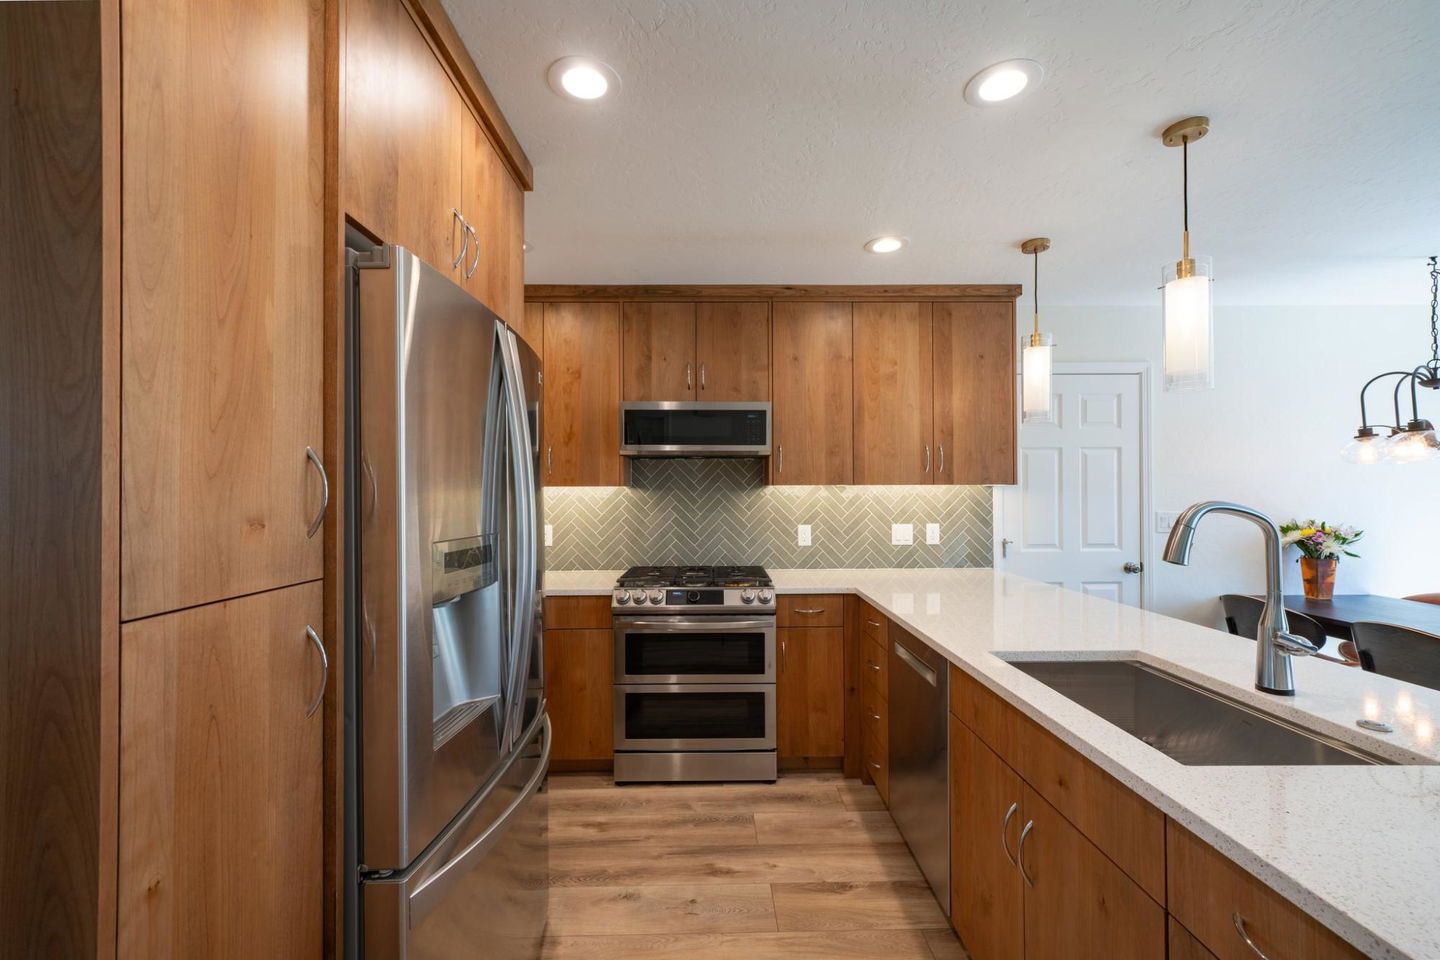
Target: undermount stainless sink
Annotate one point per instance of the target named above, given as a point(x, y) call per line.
point(1194, 726)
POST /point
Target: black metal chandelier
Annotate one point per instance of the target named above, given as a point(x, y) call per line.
point(1415, 441)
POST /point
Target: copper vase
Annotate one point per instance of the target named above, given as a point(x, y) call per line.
point(1319, 577)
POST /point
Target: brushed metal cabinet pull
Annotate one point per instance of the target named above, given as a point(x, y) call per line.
point(873, 666)
point(470, 270)
point(782, 651)
point(324, 670)
point(873, 623)
point(1005, 833)
point(464, 237)
point(688, 385)
point(1020, 852)
point(1245, 935)
point(780, 453)
point(941, 468)
point(809, 611)
point(702, 376)
point(927, 458)
point(549, 460)
point(324, 493)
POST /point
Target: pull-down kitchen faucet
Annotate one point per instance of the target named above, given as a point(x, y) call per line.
point(1274, 643)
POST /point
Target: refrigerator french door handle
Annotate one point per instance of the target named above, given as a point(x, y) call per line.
point(435, 890)
point(527, 577)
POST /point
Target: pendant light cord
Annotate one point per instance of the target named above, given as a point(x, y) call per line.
point(1185, 181)
point(1035, 289)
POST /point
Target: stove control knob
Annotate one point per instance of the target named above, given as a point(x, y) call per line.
point(639, 596)
point(657, 597)
point(767, 596)
point(622, 597)
point(693, 596)
point(747, 596)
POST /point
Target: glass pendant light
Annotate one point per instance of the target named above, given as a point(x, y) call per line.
point(1036, 363)
point(1189, 347)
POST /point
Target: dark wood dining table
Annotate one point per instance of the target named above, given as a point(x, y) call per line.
point(1337, 614)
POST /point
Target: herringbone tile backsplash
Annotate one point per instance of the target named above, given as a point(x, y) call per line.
point(722, 511)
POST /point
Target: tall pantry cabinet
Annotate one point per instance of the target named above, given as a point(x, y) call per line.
point(178, 181)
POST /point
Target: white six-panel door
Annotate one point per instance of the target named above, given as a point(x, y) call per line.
point(1075, 518)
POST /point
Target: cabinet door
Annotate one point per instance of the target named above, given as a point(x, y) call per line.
point(987, 901)
point(659, 351)
point(579, 671)
point(732, 348)
point(810, 692)
point(893, 393)
point(1079, 905)
point(403, 117)
point(489, 206)
point(582, 395)
point(223, 239)
point(529, 326)
point(221, 780)
point(975, 423)
point(813, 393)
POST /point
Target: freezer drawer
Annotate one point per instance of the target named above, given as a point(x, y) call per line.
point(481, 889)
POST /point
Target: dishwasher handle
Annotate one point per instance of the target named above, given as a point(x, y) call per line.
point(915, 663)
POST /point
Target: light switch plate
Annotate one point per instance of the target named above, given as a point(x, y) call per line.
point(802, 535)
point(1165, 520)
point(549, 535)
point(902, 534)
point(932, 533)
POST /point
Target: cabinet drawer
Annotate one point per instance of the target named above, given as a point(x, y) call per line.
point(1124, 826)
point(1184, 946)
point(577, 613)
point(877, 767)
point(875, 717)
point(993, 720)
point(810, 610)
point(875, 669)
point(1208, 891)
point(872, 623)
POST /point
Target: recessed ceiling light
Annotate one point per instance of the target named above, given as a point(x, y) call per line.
point(1003, 81)
point(887, 244)
point(525, 247)
point(582, 78)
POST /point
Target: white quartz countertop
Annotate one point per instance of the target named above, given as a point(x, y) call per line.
point(1358, 847)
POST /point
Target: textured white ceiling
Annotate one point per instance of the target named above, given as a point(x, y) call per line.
point(766, 140)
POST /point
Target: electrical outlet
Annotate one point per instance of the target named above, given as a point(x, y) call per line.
point(902, 534)
point(802, 535)
point(932, 533)
point(1165, 520)
point(549, 535)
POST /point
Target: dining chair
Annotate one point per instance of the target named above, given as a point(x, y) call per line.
point(1399, 652)
point(1242, 618)
point(1425, 598)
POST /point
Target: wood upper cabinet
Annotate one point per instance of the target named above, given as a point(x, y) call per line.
point(220, 794)
point(659, 351)
point(529, 325)
point(987, 893)
point(894, 440)
point(810, 692)
point(492, 204)
point(732, 351)
point(582, 395)
point(975, 422)
point(401, 172)
point(812, 350)
point(223, 239)
point(1078, 904)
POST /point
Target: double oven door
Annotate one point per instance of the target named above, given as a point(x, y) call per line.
point(694, 683)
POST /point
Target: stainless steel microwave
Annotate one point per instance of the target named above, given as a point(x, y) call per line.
point(687, 428)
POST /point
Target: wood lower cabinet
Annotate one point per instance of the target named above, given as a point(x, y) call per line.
point(810, 692)
point(222, 297)
point(1184, 946)
point(974, 375)
point(812, 352)
point(732, 351)
point(220, 780)
point(579, 673)
point(1078, 904)
point(659, 351)
point(582, 395)
point(893, 393)
point(987, 894)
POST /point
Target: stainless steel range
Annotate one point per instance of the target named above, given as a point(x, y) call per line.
point(694, 674)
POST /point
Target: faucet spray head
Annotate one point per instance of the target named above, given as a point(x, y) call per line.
point(1177, 548)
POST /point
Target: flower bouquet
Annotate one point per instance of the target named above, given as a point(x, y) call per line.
point(1321, 546)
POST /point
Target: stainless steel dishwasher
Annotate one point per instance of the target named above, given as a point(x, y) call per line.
point(919, 756)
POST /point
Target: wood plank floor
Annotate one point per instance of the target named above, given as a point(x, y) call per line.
point(810, 868)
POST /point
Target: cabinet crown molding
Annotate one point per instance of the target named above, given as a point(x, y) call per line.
point(744, 291)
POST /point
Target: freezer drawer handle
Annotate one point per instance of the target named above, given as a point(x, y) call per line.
point(425, 899)
point(324, 492)
point(324, 670)
point(914, 663)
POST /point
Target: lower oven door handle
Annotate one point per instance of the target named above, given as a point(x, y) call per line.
point(689, 624)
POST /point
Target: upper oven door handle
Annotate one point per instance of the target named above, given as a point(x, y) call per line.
point(684, 624)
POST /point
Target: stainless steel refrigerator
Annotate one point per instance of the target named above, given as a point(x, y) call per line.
point(448, 741)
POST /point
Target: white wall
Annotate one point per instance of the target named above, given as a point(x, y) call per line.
point(1286, 399)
